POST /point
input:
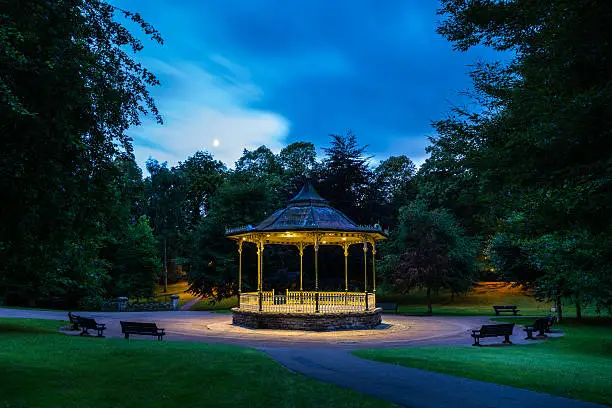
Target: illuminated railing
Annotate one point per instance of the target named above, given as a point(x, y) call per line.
point(308, 302)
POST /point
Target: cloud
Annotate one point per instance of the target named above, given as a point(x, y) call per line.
point(204, 103)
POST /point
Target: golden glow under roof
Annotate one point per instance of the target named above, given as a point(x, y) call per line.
point(309, 237)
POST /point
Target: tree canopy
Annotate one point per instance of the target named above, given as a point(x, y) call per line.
point(520, 184)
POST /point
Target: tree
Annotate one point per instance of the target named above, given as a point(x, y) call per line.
point(344, 176)
point(261, 162)
point(69, 89)
point(393, 177)
point(392, 187)
point(543, 146)
point(136, 266)
point(203, 176)
point(429, 250)
point(212, 270)
point(166, 191)
point(298, 161)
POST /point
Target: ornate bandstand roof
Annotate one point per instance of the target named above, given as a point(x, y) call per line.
point(305, 216)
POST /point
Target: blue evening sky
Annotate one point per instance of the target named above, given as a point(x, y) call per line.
point(239, 74)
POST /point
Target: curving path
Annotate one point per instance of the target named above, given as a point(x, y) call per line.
point(326, 355)
point(190, 304)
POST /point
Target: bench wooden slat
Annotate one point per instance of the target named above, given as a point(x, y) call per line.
point(151, 329)
point(493, 330)
point(87, 323)
point(506, 308)
point(540, 325)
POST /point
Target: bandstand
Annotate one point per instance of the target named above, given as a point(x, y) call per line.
point(309, 220)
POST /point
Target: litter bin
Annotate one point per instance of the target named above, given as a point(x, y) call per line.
point(122, 303)
point(175, 299)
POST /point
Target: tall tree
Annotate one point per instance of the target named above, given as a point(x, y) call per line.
point(391, 187)
point(298, 160)
point(345, 176)
point(543, 148)
point(69, 89)
point(166, 192)
point(429, 250)
point(260, 162)
point(203, 176)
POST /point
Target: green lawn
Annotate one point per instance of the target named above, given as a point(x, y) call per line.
point(577, 365)
point(479, 301)
point(40, 367)
point(223, 306)
point(177, 288)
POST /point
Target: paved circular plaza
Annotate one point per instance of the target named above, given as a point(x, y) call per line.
point(211, 327)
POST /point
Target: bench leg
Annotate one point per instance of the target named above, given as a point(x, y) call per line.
point(507, 340)
point(100, 333)
point(85, 332)
point(476, 341)
point(529, 334)
point(127, 336)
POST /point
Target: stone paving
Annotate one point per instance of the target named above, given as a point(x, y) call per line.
point(210, 327)
point(326, 355)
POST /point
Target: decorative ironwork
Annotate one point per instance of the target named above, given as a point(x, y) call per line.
point(306, 302)
point(308, 220)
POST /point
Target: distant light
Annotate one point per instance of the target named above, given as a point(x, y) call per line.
point(216, 142)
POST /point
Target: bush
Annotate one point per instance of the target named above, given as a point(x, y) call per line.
point(91, 303)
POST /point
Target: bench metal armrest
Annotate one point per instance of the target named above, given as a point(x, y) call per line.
point(477, 331)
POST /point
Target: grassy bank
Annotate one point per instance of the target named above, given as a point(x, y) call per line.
point(43, 368)
point(577, 365)
point(177, 288)
point(479, 301)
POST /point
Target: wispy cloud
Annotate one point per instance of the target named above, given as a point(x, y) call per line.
point(204, 103)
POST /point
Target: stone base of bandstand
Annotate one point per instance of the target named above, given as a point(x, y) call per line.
point(307, 321)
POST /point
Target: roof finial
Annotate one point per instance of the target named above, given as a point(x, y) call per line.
point(308, 193)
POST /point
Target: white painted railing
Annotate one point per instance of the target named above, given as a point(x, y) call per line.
point(308, 302)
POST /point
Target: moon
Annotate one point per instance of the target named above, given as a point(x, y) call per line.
point(216, 142)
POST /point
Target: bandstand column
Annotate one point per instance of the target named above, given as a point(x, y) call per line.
point(239, 268)
point(373, 267)
point(260, 248)
point(365, 273)
point(316, 262)
point(301, 249)
point(346, 252)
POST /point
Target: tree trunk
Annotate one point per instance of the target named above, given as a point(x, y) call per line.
point(559, 308)
point(429, 310)
point(578, 310)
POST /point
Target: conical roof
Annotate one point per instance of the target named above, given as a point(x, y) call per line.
point(307, 211)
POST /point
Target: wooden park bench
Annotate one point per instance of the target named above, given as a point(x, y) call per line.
point(493, 330)
point(387, 307)
point(150, 329)
point(541, 325)
point(87, 323)
point(499, 309)
point(74, 320)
